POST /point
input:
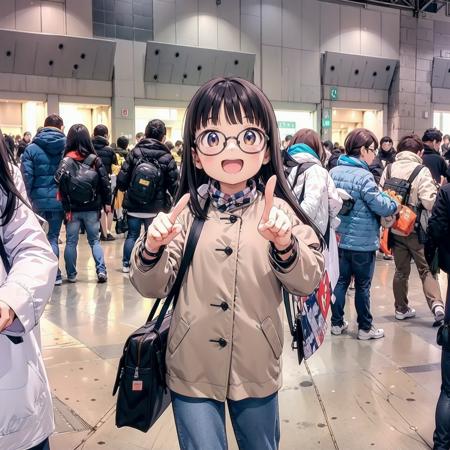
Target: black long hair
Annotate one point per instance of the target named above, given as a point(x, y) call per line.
point(79, 139)
point(7, 186)
point(237, 95)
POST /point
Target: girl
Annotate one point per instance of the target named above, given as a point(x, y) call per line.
point(226, 338)
point(27, 273)
point(316, 192)
point(78, 149)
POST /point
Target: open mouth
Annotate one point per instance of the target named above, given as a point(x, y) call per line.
point(232, 165)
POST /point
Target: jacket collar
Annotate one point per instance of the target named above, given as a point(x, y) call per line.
point(301, 154)
point(152, 144)
point(409, 157)
point(429, 150)
point(346, 160)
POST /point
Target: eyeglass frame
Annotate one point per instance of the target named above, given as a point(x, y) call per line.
point(227, 138)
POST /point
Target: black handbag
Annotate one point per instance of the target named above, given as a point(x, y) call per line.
point(142, 392)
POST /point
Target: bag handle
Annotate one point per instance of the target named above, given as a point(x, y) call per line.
point(411, 178)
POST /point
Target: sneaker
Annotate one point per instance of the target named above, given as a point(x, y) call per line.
point(352, 285)
point(103, 237)
point(339, 329)
point(110, 237)
point(126, 269)
point(58, 282)
point(102, 277)
point(411, 312)
point(373, 333)
point(439, 313)
point(72, 279)
point(388, 257)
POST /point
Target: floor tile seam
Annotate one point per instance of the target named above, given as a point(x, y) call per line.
point(390, 394)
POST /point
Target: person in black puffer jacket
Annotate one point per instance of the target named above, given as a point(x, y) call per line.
point(78, 149)
point(109, 158)
point(432, 159)
point(138, 214)
point(386, 155)
point(438, 231)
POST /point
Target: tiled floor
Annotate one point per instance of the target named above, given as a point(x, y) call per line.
point(351, 395)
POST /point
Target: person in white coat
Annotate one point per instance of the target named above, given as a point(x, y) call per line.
point(315, 191)
point(27, 272)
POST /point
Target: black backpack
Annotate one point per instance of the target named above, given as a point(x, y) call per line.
point(145, 178)
point(81, 181)
point(401, 187)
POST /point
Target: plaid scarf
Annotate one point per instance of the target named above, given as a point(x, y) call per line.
point(226, 202)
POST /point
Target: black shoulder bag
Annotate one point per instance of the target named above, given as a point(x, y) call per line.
point(143, 394)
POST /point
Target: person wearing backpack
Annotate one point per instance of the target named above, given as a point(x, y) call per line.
point(149, 176)
point(316, 192)
point(420, 197)
point(109, 159)
point(40, 160)
point(359, 231)
point(85, 190)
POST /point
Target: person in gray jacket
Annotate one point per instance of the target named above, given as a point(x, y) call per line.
point(26, 412)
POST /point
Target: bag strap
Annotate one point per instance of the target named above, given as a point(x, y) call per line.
point(287, 306)
point(411, 179)
point(388, 171)
point(302, 168)
point(90, 160)
point(192, 241)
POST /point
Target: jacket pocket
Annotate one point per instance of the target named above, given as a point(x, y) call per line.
point(178, 335)
point(21, 400)
point(271, 335)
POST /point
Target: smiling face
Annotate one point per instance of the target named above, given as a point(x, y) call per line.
point(242, 158)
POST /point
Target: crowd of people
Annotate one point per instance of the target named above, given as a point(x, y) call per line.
point(229, 168)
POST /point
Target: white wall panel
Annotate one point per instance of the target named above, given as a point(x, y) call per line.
point(164, 21)
point(310, 68)
point(329, 27)
point(271, 71)
point(251, 7)
point(187, 22)
point(291, 75)
point(310, 26)
point(390, 35)
point(207, 23)
point(350, 30)
point(271, 22)
point(138, 68)
point(79, 17)
point(8, 14)
point(251, 41)
point(370, 33)
point(28, 15)
point(291, 24)
point(123, 61)
point(229, 25)
point(53, 17)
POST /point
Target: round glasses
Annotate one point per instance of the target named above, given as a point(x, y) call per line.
point(213, 142)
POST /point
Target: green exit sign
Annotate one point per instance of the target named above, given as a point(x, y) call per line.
point(326, 118)
point(334, 94)
point(285, 124)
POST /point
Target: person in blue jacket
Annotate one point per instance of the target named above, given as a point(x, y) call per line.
point(359, 230)
point(40, 161)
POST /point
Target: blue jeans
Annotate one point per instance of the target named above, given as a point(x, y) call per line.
point(134, 231)
point(200, 423)
point(55, 220)
point(361, 265)
point(91, 221)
